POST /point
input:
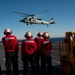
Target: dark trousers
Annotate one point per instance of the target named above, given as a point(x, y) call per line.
point(46, 60)
point(37, 56)
point(37, 61)
point(11, 59)
point(29, 58)
point(0, 69)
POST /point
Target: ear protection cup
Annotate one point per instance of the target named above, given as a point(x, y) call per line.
point(25, 36)
point(37, 34)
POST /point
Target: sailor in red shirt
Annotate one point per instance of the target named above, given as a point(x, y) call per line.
point(10, 43)
point(39, 39)
point(28, 48)
point(46, 54)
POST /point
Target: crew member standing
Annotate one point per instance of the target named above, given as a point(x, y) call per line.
point(46, 54)
point(39, 41)
point(10, 43)
point(28, 49)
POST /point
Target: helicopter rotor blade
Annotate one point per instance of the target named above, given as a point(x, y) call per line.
point(30, 14)
point(21, 13)
point(43, 12)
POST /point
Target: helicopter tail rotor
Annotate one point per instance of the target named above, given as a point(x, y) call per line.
point(52, 21)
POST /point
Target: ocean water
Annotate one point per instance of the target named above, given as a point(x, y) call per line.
point(59, 39)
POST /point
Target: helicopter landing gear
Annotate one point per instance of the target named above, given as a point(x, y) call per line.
point(27, 23)
point(30, 23)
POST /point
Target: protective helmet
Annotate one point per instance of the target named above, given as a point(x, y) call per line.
point(7, 31)
point(46, 35)
point(28, 35)
point(40, 34)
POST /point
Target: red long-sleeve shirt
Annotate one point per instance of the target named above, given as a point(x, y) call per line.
point(46, 47)
point(28, 46)
point(10, 43)
point(39, 41)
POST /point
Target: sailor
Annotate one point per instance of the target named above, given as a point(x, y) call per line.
point(39, 39)
point(10, 43)
point(46, 54)
point(28, 48)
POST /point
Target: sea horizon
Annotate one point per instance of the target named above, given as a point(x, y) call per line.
point(53, 39)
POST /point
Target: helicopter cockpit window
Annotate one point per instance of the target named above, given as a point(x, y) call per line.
point(39, 19)
point(29, 19)
point(25, 18)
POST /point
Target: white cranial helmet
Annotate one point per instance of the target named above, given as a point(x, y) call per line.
point(7, 31)
point(28, 34)
point(46, 35)
point(40, 34)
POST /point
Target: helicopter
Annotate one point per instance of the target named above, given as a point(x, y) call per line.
point(32, 19)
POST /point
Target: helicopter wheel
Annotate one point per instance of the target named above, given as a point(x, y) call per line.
point(68, 68)
point(27, 23)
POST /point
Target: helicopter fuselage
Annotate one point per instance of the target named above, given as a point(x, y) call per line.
point(34, 21)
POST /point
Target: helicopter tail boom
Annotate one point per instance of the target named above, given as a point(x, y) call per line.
point(51, 21)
